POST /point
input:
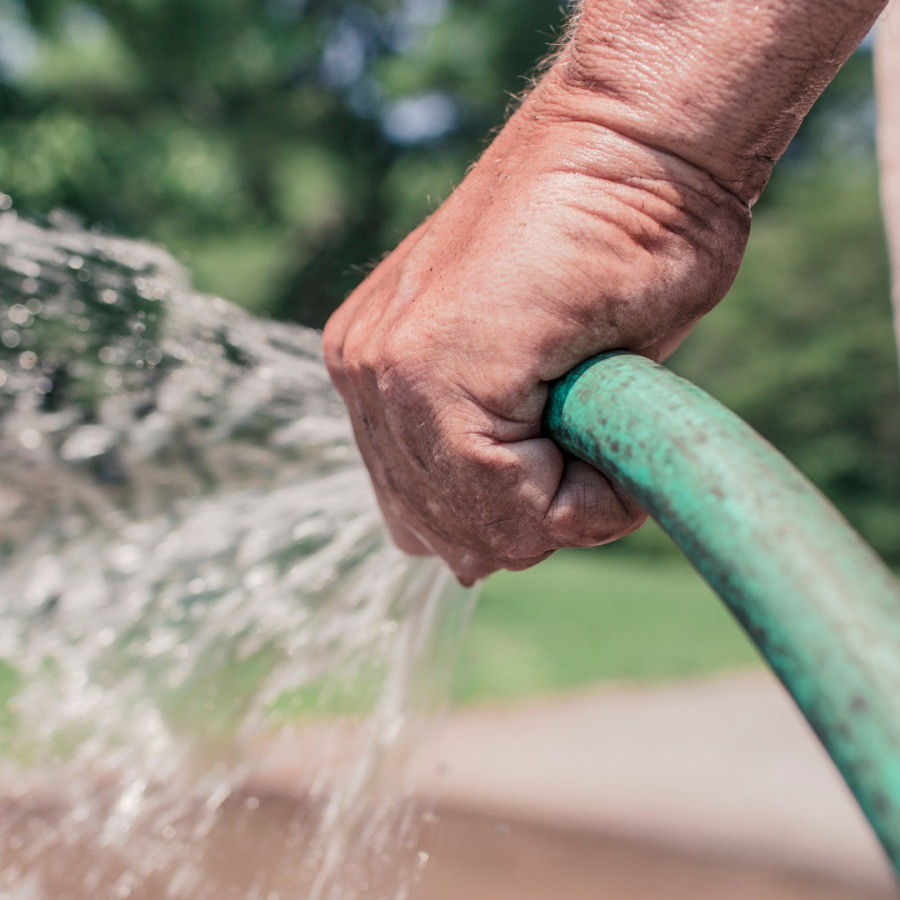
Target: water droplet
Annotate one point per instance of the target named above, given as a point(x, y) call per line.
point(217, 797)
point(88, 442)
point(30, 439)
point(105, 637)
point(28, 359)
point(11, 339)
point(18, 314)
point(120, 611)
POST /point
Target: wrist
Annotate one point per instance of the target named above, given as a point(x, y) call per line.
point(720, 84)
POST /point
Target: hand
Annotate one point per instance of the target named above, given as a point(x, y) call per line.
point(611, 212)
point(565, 240)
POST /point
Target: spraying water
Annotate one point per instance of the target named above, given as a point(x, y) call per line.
point(212, 661)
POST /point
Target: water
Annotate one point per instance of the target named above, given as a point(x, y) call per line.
point(213, 664)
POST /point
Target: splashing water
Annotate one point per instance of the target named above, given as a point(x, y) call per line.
point(213, 663)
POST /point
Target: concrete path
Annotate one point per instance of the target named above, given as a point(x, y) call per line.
point(724, 767)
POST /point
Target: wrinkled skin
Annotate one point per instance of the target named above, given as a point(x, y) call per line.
point(578, 231)
point(444, 354)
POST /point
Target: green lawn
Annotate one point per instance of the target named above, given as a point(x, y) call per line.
point(589, 616)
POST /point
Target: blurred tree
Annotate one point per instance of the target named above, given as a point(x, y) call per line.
point(275, 143)
point(803, 348)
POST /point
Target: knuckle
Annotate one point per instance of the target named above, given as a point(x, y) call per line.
point(333, 347)
point(348, 355)
point(398, 357)
point(361, 357)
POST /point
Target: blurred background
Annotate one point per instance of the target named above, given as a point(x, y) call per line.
point(279, 148)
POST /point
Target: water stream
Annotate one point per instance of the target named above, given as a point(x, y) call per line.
point(213, 664)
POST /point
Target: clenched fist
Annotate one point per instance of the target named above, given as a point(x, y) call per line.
point(609, 213)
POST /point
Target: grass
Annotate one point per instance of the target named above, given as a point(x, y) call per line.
point(589, 616)
point(9, 685)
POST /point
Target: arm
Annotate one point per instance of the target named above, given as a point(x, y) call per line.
point(611, 212)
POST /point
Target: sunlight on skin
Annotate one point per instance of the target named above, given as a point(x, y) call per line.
point(611, 212)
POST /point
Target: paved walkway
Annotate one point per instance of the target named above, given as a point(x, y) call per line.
point(725, 766)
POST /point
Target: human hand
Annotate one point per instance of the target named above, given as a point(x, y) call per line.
point(566, 239)
point(602, 217)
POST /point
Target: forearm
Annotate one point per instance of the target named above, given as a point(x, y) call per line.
point(723, 84)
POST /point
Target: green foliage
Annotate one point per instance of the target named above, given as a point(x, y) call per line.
point(278, 144)
point(10, 683)
point(350, 690)
point(583, 617)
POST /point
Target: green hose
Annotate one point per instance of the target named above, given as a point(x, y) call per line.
point(819, 604)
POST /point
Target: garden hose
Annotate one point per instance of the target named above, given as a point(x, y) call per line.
point(822, 608)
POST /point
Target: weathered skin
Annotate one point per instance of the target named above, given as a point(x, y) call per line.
point(887, 83)
point(611, 212)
